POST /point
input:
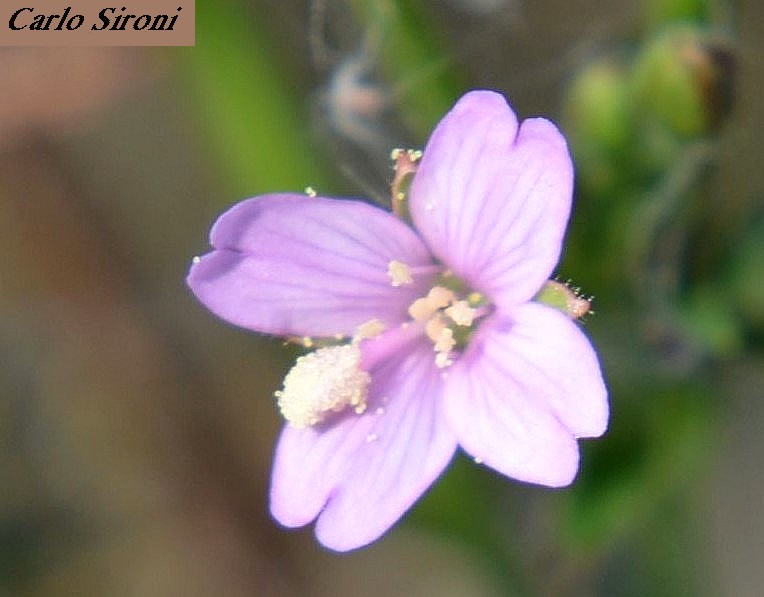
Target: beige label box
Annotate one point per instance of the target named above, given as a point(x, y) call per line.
point(97, 23)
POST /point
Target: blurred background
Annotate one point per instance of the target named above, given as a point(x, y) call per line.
point(136, 430)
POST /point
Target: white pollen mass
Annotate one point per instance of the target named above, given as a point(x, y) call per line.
point(323, 382)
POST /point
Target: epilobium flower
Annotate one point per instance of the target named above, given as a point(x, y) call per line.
point(430, 337)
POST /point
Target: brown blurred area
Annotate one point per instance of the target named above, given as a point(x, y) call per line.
point(135, 430)
point(128, 468)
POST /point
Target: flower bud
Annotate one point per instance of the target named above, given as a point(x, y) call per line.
point(564, 298)
point(682, 78)
point(598, 116)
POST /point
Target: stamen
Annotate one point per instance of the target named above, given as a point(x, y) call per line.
point(322, 382)
point(424, 308)
point(421, 309)
point(369, 329)
point(399, 273)
point(448, 316)
point(461, 313)
point(442, 338)
point(442, 360)
point(445, 341)
point(440, 297)
point(433, 327)
point(310, 192)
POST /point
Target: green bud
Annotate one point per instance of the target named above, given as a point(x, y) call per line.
point(597, 116)
point(564, 298)
point(682, 79)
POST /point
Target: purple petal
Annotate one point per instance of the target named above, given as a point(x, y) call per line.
point(558, 362)
point(360, 474)
point(522, 393)
point(491, 200)
point(295, 265)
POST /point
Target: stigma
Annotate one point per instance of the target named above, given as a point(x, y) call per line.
point(324, 382)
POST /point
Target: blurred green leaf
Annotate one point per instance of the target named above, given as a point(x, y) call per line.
point(255, 123)
point(651, 451)
point(748, 277)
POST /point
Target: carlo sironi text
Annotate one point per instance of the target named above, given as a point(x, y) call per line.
point(107, 19)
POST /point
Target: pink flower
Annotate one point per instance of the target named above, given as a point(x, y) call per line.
point(431, 338)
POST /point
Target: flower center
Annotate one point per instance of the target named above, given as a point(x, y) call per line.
point(450, 313)
point(323, 382)
point(335, 377)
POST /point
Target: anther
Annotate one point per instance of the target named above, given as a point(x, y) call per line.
point(445, 340)
point(442, 360)
point(440, 297)
point(461, 313)
point(399, 273)
point(369, 329)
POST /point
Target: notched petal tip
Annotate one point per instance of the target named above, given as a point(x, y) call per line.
point(202, 273)
point(360, 474)
point(485, 175)
point(298, 492)
point(293, 265)
point(542, 129)
point(484, 100)
point(210, 278)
